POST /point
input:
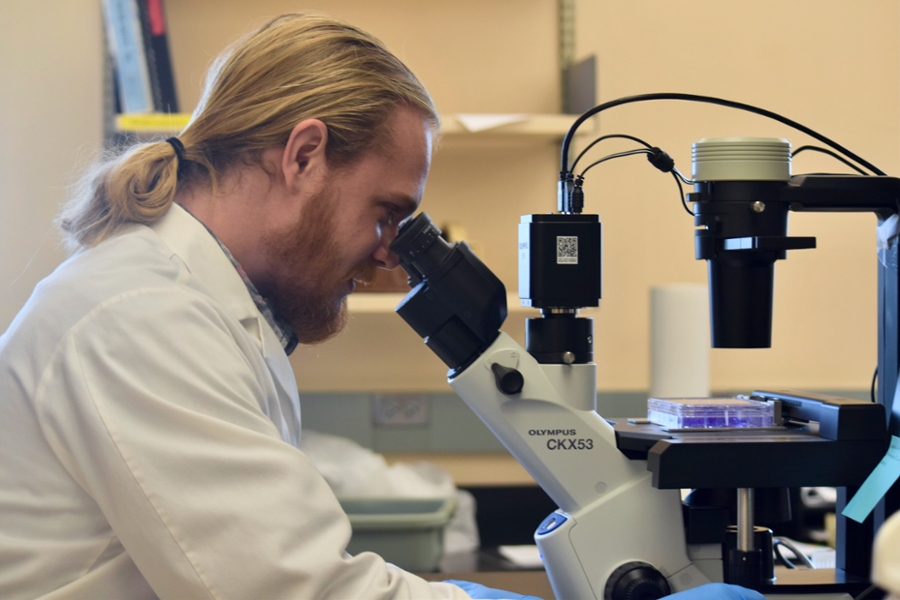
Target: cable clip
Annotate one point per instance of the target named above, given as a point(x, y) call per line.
point(659, 159)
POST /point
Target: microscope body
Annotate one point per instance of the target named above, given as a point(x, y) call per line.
point(606, 502)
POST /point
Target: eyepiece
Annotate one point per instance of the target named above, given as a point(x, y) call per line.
point(420, 247)
point(457, 304)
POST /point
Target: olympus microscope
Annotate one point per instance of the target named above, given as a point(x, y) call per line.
point(622, 530)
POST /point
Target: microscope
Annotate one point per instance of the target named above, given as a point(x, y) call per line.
point(622, 530)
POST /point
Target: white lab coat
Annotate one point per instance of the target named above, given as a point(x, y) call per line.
point(148, 428)
point(886, 559)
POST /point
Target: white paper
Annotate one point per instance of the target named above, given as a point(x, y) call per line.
point(483, 122)
point(527, 556)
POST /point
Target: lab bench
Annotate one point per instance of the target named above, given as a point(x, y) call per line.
point(534, 583)
point(537, 584)
point(472, 469)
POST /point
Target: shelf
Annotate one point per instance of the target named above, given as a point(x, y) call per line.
point(162, 123)
point(455, 125)
point(482, 469)
point(373, 302)
point(483, 125)
point(378, 352)
point(370, 303)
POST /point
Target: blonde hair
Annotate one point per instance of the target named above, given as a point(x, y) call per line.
point(297, 67)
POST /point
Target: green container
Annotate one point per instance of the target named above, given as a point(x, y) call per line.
point(407, 532)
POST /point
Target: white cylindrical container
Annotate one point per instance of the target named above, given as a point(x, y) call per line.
point(741, 159)
point(679, 341)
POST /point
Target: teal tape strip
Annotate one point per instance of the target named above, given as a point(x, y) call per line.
point(876, 484)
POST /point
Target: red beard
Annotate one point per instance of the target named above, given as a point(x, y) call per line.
point(312, 297)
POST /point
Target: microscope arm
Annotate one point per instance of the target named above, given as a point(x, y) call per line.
point(610, 515)
point(843, 193)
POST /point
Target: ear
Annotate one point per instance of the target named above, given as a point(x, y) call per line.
point(304, 154)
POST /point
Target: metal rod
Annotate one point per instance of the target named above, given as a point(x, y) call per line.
point(745, 519)
point(566, 17)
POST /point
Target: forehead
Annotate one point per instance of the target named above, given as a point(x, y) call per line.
point(398, 166)
point(408, 139)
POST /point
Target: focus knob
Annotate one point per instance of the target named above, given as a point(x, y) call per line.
point(509, 380)
point(636, 581)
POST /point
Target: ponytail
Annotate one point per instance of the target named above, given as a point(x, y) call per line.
point(136, 187)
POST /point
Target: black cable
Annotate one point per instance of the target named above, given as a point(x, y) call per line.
point(681, 191)
point(616, 155)
point(777, 544)
point(834, 155)
point(567, 141)
point(683, 179)
point(623, 136)
point(650, 151)
point(872, 389)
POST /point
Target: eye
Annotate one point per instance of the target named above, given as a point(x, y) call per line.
point(390, 215)
point(404, 221)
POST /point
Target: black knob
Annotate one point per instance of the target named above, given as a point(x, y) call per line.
point(509, 380)
point(636, 581)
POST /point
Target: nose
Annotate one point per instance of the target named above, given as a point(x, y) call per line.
point(383, 256)
point(385, 259)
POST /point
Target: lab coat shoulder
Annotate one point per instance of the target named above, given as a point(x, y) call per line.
point(140, 350)
point(176, 256)
point(75, 288)
point(152, 403)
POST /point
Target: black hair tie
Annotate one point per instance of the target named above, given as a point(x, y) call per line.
point(179, 152)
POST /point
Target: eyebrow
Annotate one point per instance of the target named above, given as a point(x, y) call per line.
point(404, 202)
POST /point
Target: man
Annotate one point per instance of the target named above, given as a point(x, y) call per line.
point(149, 418)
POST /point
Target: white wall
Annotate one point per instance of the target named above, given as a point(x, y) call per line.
point(50, 121)
point(832, 65)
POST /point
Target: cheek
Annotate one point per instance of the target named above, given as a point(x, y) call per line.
point(359, 225)
point(371, 235)
point(357, 236)
point(353, 251)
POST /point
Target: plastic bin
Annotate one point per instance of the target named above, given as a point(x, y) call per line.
point(407, 532)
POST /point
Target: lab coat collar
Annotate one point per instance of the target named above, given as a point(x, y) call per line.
point(190, 241)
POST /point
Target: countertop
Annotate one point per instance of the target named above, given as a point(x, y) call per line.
point(534, 583)
point(475, 469)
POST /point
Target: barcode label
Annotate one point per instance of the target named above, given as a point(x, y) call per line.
point(566, 250)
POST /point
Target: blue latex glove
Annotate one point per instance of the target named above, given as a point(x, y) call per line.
point(717, 591)
point(476, 590)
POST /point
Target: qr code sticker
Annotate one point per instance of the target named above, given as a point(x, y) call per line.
point(566, 250)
